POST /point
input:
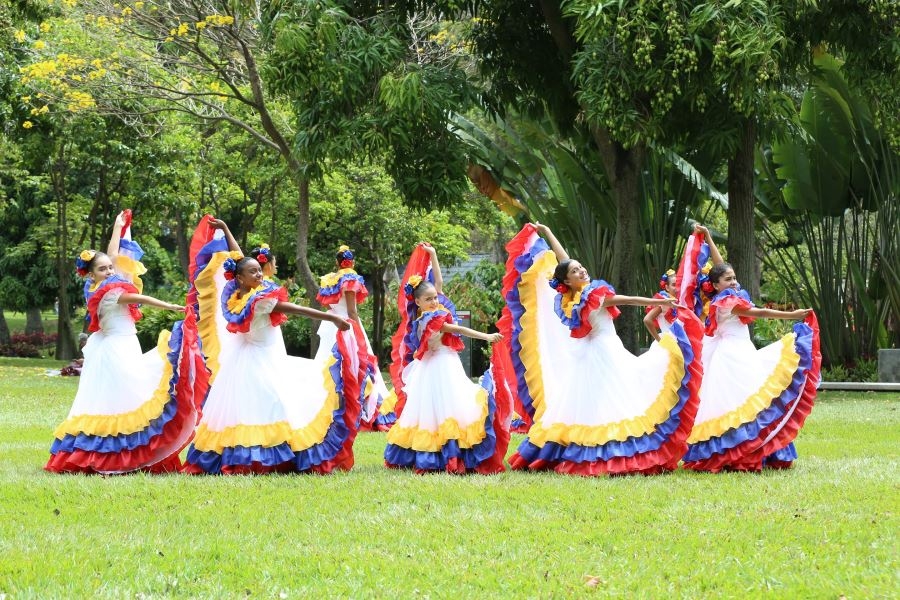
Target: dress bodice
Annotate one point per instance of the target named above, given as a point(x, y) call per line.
point(115, 318)
point(262, 332)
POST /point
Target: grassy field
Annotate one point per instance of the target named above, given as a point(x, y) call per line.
point(826, 529)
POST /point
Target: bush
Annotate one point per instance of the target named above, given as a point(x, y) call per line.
point(35, 345)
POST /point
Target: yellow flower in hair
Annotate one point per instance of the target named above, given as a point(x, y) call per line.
point(235, 255)
point(263, 246)
point(343, 248)
point(415, 280)
point(87, 255)
point(706, 268)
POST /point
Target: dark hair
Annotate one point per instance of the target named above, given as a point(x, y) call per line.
point(422, 288)
point(716, 273)
point(561, 272)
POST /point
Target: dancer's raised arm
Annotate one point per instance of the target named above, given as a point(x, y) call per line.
point(557, 248)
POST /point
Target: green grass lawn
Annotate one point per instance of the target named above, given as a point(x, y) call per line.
point(826, 529)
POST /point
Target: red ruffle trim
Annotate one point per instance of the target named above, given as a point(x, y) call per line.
point(749, 455)
point(591, 303)
point(728, 302)
point(275, 318)
point(94, 303)
point(348, 284)
point(353, 376)
point(433, 326)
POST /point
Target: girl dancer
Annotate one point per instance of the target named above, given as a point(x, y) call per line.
point(444, 421)
point(752, 402)
point(596, 407)
point(660, 318)
point(266, 411)
point(342, 292)
point(132, 410)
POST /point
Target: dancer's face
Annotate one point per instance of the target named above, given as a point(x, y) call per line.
point(102, 268)
point(428, 301)
point(577, 276)
point(672, 285)
point(250, 276)
point(727, 280)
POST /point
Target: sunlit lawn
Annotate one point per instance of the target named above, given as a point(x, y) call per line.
point(827, 528)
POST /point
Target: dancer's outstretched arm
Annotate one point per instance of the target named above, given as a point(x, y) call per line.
point(557, 248)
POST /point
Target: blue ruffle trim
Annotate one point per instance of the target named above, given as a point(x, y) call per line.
point(397, 456)
point(554, 452)
point(786, 454)
point(130, 441)
point(775, 411)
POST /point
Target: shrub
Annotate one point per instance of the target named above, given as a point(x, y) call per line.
point(34, 345)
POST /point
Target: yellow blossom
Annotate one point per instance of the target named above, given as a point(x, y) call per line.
point(126, 11)
point(45, 27)
point(20, 36)
point(182, 29)
point(27, 124)
point(43, 109)
point(96, 63)
point(200, 25)
point(39, 45)
point(26, 99)
point(139, 5)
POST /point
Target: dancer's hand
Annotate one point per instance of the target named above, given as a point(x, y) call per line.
point(541, 228)
point(120, 220)
point(175, 307)
point(428, 248)
point(698, 228)
point(341, 323)
point(493, 338)
point(801, 313)
point(216, 223)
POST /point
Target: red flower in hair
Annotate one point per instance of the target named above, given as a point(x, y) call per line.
point(346, 264)
point(229, 275)
point(662, 284)
point(562, 288)
point(261, 259)
point(707, 287)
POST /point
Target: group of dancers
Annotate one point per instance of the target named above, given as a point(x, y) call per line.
point(222, 384)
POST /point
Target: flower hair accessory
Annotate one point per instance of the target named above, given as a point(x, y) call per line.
point(263, 254)
point(345, 257)
point(664, 280)
point(81, 263)
point(411, 285)
point(558, 285)
point(230, 267)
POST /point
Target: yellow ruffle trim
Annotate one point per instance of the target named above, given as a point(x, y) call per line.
point(388, 404)
point(132, 269)
point(641, 425)
point(423, 440)
point(539, 273)
point(778, 381)
point(332, 279)
point(208, 299)
point(273, 434)
point(236, 303)
point(130, 422)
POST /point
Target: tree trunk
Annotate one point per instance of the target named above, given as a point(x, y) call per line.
point(303, 271)
point(65, 338)
point(4, 328)
point(33, 322)
point(623, 170)
point(377, 284)
point(182, 243)
point(741, 243)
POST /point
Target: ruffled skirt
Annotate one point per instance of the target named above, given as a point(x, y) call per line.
point(132, 410)
point(448, 423)
point(754, 402)
point(268, 411)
